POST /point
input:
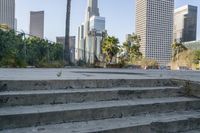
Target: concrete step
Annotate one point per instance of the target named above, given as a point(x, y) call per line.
point(38, 97)
point(192, 131)
point(16, 85)
point(149, 123)
point(24, 116)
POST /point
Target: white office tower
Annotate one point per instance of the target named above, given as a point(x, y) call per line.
point(154, 24)
point(90, 34)
point(92, 10)
point(97, 24)
point(15, 25)
point(93, 47)
point(37, 23)
point(7, 13)
point(94, 28)
point(80, 47)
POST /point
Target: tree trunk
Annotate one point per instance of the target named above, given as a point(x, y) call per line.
point(67, 35)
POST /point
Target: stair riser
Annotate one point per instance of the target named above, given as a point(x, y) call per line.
point(79, 84)
point(176, 126)
point(136, 129)
point(24, 120)
point(78, 97)
point(159, 127)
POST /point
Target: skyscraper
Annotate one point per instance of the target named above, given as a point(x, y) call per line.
point(92, 10)
point(37, 23)
point(80, 48)
point(72, 42)
point(90, 34)
point(97, 23)
point(154, 24)
point(7, 12)
point(97, 27)
point(15, 24)
point(185, 23)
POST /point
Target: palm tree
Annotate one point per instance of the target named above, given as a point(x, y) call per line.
point(177, 48)
point(110, 48)
point(4, 27)
point(67, 31)
point(131, 48)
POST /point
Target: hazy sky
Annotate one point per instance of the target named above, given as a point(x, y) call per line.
point(120, 15)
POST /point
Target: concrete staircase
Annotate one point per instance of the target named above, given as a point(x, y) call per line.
point(103, 106)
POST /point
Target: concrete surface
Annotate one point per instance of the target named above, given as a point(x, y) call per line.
point(20, 85)
point(99, 100)
point(53, 74)
point(24, 116)
point(38, 97)
point(149, 123)
point(192, 131)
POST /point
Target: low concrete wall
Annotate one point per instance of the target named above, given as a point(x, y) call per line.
point(193, 89)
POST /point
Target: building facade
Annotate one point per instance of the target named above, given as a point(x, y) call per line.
point(96, 30)
point(185, 23)
point(80, 45)
point(7, 13)
point(72, 42)
point(90, 34)
point(192, 45)
point(92, 10)
point(37, 23)
point(154, 24)
point(15, 25)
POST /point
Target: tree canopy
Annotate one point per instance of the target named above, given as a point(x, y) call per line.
point(131, 49)
point(110, 48)
point(177, 48)
point(16, 50)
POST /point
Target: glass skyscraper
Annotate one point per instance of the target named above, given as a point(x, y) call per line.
point(185, 23)
point(90, 34)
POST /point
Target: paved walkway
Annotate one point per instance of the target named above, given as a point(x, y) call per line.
point(67, 74)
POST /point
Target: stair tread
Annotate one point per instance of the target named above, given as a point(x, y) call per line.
point(88, 105)
point(109, 124)
point(28, 92)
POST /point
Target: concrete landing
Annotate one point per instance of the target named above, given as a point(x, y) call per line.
point(66, 74)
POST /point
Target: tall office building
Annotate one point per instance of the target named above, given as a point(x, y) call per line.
point(72, 42)
point(92, 10)
point(90, 34)
point(97, 23)
point(185, 23)
point(97, 27)
point(37, 23)
point(154, 24)
point(7, 13)
point(80, 48)
point(15, 24)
